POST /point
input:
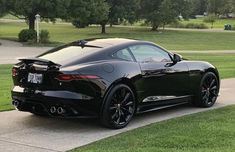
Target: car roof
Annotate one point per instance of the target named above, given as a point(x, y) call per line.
point(109, 42)
point(101, 49)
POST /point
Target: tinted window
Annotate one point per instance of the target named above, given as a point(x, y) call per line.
point(69, 53)
point(148, 53)
point(123, 54)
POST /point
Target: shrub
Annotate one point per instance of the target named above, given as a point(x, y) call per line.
point(27, 35)
point(176, 25)
point(44, 36)
point(211, 18)
point(189, 25)
point(203, 26)
point(196, 26)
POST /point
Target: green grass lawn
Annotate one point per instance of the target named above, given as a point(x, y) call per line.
point(211, 131)
point(224, 62)
point(173, 40)
point(5, 87)
point(218, 24)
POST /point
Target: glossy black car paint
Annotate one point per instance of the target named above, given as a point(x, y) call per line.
point(85, 97)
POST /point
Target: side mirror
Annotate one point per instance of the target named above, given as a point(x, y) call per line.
point(177, 58)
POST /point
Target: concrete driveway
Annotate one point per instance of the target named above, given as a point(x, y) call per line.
point(24, 132)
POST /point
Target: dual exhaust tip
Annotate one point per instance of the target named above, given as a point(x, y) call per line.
point(59, 110)
point(16, 104)
point(53, 109)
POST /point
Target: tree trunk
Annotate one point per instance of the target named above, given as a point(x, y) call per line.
point(154, 27)
point(163, 26)
point(103, 25)
point(31, 20)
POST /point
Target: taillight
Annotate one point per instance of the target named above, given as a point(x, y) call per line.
point(71, 77)
point(14, 72)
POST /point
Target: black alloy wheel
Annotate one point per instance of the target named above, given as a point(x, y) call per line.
point(209, 90)
point(119, 107)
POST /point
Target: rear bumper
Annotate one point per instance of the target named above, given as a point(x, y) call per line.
point(41, 102)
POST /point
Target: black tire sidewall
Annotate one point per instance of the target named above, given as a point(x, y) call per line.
point(105, 115)
point(199, 101)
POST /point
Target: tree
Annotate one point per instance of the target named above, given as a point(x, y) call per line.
point(131, 8)
point(199, 7)
point(2, 7)
point(219, 7)
point(102, 12)
point(48, 9)
point(150, 11)
point(161, 12)
point(214, 6)
point(182, 7)
point(80, 12)
point(233, 6)
point(211, 18)
point(89, 12)
point(227, 7)
point(122, 10)
point(167, 13)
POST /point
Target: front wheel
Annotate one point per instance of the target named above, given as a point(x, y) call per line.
point(208, 91)
point(119, 107)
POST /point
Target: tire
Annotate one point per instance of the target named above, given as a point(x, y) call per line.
point(119, 107)
point(208, 91)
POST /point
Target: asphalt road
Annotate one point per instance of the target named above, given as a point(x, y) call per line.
point(10, 55)
point(11, 51)
point(24, 132)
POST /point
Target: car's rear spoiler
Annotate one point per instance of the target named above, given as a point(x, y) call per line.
point(33, 60)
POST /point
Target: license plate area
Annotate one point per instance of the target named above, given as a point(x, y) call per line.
point(35, 78)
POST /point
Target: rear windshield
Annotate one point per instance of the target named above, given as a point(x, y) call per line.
point(68, 54)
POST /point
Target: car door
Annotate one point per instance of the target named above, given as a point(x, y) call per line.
point(161, 77)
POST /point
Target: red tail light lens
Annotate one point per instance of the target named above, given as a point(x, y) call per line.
point(14, 72)
point(70, 77)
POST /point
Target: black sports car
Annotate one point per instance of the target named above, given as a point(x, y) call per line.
point(111, 79)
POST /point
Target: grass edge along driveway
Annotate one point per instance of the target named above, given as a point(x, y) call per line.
point(211, 131)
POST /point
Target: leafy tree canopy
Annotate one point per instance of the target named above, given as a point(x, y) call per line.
point(3, 8)
point(48, 9)
point(88, 11)
point(161, 12)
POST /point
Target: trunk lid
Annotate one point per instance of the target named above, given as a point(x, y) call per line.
point(36, 73)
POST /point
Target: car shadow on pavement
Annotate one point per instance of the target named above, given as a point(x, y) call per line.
point(75, 124)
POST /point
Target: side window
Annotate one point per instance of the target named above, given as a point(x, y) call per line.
point(149, 53)
point(123, 54)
